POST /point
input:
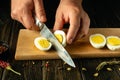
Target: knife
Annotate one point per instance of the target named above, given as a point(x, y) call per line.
point(62, 53)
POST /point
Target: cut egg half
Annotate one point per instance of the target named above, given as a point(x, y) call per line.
point(61, 37)
point(97, 40)
point(42, 43)
point(113, 42)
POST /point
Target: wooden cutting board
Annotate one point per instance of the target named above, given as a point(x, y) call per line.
point(26, 49)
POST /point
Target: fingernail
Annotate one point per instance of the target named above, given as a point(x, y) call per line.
point(70, 41)
point(43, 18)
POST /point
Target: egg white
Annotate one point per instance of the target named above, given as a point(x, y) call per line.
point(63, 35)
point(40, 47)
point(113, 47)
point(95, 45)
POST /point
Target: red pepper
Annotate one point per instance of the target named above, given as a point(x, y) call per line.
point(7, 66)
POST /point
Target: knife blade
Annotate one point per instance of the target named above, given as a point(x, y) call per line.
point(62, 53)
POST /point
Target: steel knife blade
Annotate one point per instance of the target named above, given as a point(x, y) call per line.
point(62, 53)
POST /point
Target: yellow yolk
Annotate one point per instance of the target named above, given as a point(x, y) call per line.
point(97, 39)
point(113, 41)
point(44, 43)
point(59, 37)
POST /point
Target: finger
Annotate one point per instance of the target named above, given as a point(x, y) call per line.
point(59, 22)
point(74, 27)
point(84, 26)
point(86, 23)
point(39, 10)
point(28, 20)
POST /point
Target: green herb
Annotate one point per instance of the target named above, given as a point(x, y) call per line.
point(102, 64)
point(7, 66)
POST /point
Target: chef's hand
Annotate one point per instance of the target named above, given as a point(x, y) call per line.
point(71, 11)
point(24, 11)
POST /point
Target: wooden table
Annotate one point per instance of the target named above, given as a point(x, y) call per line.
point(52, 69)
point(101, 14)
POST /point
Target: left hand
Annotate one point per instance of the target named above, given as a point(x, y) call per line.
point(71, 11)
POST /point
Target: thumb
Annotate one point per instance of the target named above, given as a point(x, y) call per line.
point(39, 10)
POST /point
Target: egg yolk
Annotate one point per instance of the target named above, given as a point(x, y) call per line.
point(59, 37)
point(113, 41)
point(97, 39)
point(44, 43)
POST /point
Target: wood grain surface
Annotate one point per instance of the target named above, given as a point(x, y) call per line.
point(26, 49)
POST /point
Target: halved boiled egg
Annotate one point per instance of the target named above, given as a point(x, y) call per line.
point(113, 42)
point(61, 36)
point(42, 43)
point(97, 40)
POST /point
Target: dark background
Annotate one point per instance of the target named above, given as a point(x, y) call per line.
point(102, 13)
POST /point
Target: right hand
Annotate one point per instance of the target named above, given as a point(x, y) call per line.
point(25, 10)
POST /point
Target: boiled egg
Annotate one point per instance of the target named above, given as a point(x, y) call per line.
point(42, 43)
point(113, 42)
point(97, 40)
point(61, 36)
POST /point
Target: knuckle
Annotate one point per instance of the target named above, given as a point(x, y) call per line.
point(87, 22)
point(76, 10)
point(16, 12)
point(41, 11)
point(13, 14)
point(86, 18)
